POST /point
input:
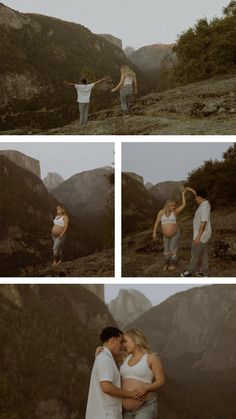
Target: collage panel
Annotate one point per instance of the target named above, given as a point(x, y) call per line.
point(178, 209)
point(57, 209)
point(62, 344)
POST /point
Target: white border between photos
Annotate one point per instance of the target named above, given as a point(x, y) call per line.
point(117, 141)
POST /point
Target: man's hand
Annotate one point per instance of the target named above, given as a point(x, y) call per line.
point(197, 241)
point(140, 391)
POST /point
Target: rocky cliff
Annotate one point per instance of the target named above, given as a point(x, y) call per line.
point(166, 190)
point(52, 180)
point(87, 191)
point(128, 306)
point(113, 39)
point(26, 162)
point(47, 349)
point(151, 57)
point(128, 51)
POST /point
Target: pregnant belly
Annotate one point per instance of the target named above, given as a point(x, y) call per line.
point(169, 230)
point(130, 384)
point(57, 230)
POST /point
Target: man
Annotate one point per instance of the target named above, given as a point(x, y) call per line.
point(105, 394)
point(83, 97)
point(201, 235)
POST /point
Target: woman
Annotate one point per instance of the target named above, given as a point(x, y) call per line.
point(167, 217)
point(58, 234)
point(127, 86)
point(141, 373)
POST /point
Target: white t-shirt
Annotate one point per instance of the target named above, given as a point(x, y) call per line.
point(101, 405)
point(84, 92)
point(202, 215)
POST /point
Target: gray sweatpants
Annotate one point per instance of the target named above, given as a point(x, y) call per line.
point(199, 253)
point(83, 113)
point(58, 243)
point(171, 246)
point(125, 93)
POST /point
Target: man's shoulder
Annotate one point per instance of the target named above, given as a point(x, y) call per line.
point(103, 357)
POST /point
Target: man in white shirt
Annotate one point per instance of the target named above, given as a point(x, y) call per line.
point(201, 235)
point(83, 97)
point(105, 394)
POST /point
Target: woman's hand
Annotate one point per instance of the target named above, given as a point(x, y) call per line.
point(113, 90)
point(140, 391)
point(98, 350)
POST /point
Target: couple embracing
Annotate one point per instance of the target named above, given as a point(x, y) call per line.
point(124, 378)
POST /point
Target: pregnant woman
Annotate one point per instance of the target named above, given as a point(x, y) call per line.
point(141, 373)
point(58, 234)
point(167, 217)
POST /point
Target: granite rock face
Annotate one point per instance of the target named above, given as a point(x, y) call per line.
point(128, 306)
point(52, 180)
point(22, 160)
point(86, 192)
point(151, 57)
point(166, 190)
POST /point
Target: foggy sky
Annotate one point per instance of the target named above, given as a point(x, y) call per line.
point(158, 162)
point(136, 22)
point(155, 293)
point(66, 159)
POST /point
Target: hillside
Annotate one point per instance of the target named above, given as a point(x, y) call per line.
point(143, 257)
point(194, 332)
point(48, 337)
point(151, 57)
point(47, 51)
point(202, 108)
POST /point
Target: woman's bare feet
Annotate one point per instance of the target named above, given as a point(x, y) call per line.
point(172, 268)
point(58, 263)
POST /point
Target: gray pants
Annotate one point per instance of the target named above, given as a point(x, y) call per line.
point(148, 410)
point(171, 246)
point(199, 253)
point(58, 243)
point(83, 113)
point(125, 93)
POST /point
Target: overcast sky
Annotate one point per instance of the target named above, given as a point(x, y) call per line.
point(66, 159)
point(136, 22)
point(155, 293)
point(158, 162)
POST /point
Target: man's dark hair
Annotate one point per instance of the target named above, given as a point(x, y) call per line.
point(84, 81)
point(110, 332)
point(202, 193)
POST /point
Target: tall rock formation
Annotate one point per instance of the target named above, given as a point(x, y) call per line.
point(128, 306)
point(47, 349)
point(86, 192)
point(23, 161)
point(151, 57)
point(167, 190)
point(52, 180)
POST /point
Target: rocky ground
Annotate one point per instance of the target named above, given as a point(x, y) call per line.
point(207, 107)
point(96, 265)
point(142, 257)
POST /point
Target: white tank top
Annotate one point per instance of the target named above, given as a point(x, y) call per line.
point(168, 220)
point(128, 81)
point(59, 221)
point(139, 371)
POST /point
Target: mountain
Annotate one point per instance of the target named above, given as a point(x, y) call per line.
point(194, 332)
point(48, 337)
point(22, 160)
point(128, 306)
point(113, 39)
point(151, 57)
point(166, 190)
point(52, 180)
point(128, 51)
point(87, 191)
point(47, 51)
point(138, 205)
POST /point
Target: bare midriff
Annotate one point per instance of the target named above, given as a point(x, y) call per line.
point(57, 230)
point(168, 229)
point(130, 384)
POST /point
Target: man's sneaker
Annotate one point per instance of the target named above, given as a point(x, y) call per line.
point(201, 275)
point(186, 273)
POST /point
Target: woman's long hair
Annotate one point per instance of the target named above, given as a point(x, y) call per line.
point(127, 72)
point(63, 209)
point(166, 208)
point(139, 339)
